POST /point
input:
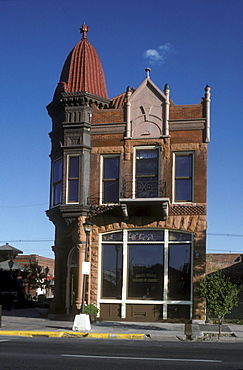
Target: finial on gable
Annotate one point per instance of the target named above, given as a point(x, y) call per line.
point(147, 70)
point(84, 29)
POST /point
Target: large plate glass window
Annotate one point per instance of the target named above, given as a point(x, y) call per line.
point(146, 265)
point(146, 271)
point(112, 263)
point(183, 180)
point(73, 179)
point(146, 173)
point(57, 182)
point(110, 181)
point(179, 276)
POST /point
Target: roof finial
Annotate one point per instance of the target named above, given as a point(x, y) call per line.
point(147, 70)
point(84, 29)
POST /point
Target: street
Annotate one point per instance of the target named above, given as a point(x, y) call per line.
point(75, 353)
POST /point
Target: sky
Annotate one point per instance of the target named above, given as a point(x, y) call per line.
point(186, 43)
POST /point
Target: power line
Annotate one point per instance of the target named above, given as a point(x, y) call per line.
point(218, 234)
point(223, 250)
point(51, 240)
point(28, 241)
point(25, 206)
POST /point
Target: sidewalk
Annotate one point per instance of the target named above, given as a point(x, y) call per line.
point(27, 322)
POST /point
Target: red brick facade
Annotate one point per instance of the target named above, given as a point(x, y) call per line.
point(140, 138)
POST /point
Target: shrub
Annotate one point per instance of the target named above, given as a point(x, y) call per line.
point(91, 309)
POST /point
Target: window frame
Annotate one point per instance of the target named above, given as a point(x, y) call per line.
point(135, 176)
point(54, 184)
point(102, 180)
point(103, 247)
point(192, 178)
point(69, 179)
point(165, 300)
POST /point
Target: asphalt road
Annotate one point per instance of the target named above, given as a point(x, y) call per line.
point(80, 353)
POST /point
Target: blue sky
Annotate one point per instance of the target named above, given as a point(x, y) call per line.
point(187, 44)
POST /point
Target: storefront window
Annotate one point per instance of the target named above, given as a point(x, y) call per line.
point(113, 236)
point(179, 271)
point(146, 235)
point(146, 265)
point(177, 236)
point(145, 271)
point(112, 271)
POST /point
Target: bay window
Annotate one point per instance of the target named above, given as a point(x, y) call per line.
point(73, 179)
point(57, 172)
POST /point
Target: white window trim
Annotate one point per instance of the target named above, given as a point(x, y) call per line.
point(146, 147)
point(67, 178)
point(52, 182)
point(102, 174)
point(125, 300)
point(173, 176)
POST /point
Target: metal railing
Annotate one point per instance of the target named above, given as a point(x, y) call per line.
point(143, 187)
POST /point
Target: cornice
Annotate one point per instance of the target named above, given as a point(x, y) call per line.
point(187, 124)
point(85, 99)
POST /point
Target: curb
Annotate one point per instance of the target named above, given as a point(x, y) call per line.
point(70, 334)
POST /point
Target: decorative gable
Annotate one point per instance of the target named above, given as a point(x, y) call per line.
point(147, 105)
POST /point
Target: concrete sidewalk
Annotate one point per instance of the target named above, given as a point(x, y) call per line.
point(27, 322)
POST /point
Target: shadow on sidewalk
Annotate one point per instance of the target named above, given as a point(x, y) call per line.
point(127, 326)
point(21, 312)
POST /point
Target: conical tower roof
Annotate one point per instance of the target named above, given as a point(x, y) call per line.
point(82, 70)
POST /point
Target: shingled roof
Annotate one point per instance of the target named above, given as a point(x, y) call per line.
point(82, 70)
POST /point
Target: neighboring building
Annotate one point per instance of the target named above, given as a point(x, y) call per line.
point(44, 262)
point(8, 253)
point(9, 271)
point(47, 265)
point(231, 265)
point(136, 167)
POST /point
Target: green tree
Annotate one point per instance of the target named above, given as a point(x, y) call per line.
point(220, 293)
point(35, 275)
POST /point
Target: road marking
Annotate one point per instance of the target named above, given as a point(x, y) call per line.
point(141, 358)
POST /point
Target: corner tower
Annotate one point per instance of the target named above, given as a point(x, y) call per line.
point(81, 87)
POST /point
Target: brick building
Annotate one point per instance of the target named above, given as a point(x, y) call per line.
point(135, 166)
point(231, 264)
point(44, 262)
point(47, 265)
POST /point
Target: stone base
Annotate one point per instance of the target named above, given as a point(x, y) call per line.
point(81, 323)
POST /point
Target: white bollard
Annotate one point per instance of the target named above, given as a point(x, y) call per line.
point(82, 323)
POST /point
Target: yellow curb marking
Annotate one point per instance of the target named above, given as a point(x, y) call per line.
point(70, 334)
point(32, 333)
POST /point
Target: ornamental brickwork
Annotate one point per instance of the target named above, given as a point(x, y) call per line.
point(134, 162)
